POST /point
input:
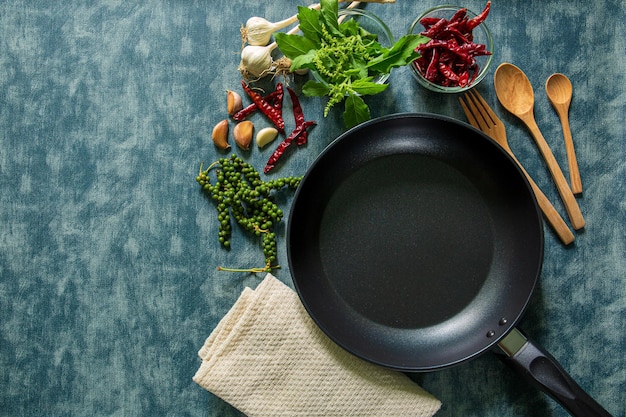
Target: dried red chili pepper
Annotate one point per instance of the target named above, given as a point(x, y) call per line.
point(278, 98)
point(282, 147)
point(475, 21)
point(245, 112)
point(434, 30)
point(449, 58)
point(474, 69)
point(429, 21)
point(266, 108)
point(274, 98)
point(464, 77)
point(432, 44)
point(298, 116)
point(457, 17)
point(447, 72)
point(431, 71)
point(454, 34)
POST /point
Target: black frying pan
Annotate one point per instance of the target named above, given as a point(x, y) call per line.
point(415, 242)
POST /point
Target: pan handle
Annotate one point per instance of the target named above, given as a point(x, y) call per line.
point(541, 369)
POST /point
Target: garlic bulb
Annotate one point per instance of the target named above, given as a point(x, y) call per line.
point(256, 61)
point(258, 31)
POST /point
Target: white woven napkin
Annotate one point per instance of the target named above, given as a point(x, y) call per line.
point(267, 358)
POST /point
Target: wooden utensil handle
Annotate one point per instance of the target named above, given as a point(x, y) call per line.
point(574, 173)
point(552, 216)
point(571, 205)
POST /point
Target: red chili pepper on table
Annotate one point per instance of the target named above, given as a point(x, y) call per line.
point(245, 112)
point(282, 147)
point(266, 108)
point(298, 116)
point(275, 98)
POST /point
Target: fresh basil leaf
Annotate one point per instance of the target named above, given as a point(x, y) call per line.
point(350, 28)
point(293, 46)
point(374, 48)
point(330, 14)
point(303, 61)
point(358, 68)
point(315, 89)
point(356, 111)
point(366, 86)
point(401, 53)
point(310, 24)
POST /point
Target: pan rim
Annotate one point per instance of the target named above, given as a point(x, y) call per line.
point(413, 367)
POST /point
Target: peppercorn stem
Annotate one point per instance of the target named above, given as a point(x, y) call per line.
point(259, 229)
point(266, 268)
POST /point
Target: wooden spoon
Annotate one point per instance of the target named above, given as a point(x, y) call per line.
point(516, 94)
point(559, 91)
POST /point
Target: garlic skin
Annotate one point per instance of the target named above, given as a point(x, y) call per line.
point(256, 61)
point(233, 102)
point(258, 31)
point(242, 133)
point(220, 134)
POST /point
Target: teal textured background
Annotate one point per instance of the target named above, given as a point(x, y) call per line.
point(108, 250)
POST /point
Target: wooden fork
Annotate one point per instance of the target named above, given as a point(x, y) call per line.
point(482, 117)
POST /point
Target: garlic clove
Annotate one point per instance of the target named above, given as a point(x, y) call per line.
point(265, 136)
point(233, 102)
point(242, 133)
point(220, 134)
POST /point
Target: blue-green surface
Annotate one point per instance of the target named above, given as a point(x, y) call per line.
point(108, 250)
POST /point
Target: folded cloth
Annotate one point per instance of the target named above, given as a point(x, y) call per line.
point(267, 358)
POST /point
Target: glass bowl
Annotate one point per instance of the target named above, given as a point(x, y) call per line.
point(481, 35)
point(374, 25)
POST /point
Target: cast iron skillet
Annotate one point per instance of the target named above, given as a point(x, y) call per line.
point(415, 242)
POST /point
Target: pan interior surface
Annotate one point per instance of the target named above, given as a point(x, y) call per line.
point(411, 229)
point(414, 242)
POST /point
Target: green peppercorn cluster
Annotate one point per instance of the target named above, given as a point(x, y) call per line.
point(239, 193)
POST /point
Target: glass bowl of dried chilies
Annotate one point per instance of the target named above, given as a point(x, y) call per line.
point(459, 52)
